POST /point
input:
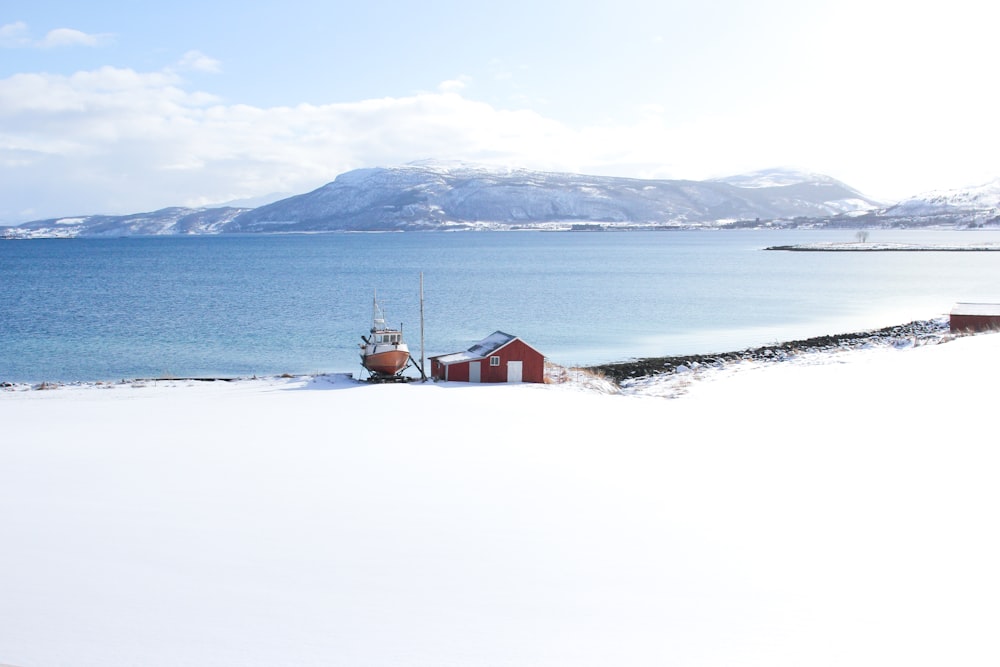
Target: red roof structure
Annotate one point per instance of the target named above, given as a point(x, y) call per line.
point(500, 357)
point(975, 317)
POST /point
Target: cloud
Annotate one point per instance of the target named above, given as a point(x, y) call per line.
point(69, 37)
point(199, 62)
point(453, 85)
point(17, 35)
point(14, 35)
point(114, 140)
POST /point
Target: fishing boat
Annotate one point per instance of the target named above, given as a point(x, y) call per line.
point(384, 354)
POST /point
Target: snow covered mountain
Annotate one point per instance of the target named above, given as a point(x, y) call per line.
point(454, 196)
point(777, 177)
point(976, 206)
point(793, 188)
point(167, 221)
point(432, 195)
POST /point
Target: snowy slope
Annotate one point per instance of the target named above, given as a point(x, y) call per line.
point(168, 221)
point(777, 177)
point(792, 187)
point(426, 195)
point(980, 203)
point(431, 195)
point(837, 511)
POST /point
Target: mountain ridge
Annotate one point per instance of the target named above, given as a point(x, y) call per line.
point(445, 196)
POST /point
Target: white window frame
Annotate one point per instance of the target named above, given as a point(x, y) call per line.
point(495, 360)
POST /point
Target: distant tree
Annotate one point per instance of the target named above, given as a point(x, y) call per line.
point(862, 236)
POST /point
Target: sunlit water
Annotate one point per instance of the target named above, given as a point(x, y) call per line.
point(105, 309)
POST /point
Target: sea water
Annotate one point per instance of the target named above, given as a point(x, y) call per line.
point(233, 306)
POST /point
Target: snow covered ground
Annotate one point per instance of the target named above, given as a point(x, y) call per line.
point(831, 246)
point(839, 509)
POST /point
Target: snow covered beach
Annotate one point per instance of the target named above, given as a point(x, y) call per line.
point(887, 247)
point(835, 509)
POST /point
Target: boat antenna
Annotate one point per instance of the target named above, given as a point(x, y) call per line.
point(378, 315)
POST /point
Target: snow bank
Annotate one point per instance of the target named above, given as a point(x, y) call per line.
point(827, 513)
point(835, 246)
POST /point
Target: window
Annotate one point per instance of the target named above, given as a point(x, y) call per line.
point(494, 361)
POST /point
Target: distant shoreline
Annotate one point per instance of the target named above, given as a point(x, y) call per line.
point(884, 247)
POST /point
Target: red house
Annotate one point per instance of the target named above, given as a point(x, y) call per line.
point(975, 317)
point(499, 357)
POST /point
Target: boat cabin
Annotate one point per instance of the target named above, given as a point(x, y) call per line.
point(387, 337)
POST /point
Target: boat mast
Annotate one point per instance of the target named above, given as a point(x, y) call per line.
point(423, 376)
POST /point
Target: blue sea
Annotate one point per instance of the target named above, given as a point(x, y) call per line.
point(234, 306)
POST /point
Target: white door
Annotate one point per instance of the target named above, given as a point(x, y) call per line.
point(514, 371)
point(473, 371)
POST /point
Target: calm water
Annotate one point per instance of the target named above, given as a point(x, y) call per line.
point(105, 309)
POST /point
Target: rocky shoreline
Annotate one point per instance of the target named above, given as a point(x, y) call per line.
point(622, 373)
point(903, 335)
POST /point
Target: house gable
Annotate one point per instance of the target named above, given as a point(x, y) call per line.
point(493, 356)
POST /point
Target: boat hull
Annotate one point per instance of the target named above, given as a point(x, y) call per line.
point(386, 362)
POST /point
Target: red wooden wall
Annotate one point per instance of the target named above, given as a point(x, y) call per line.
point(974, 322)
point(532, 366)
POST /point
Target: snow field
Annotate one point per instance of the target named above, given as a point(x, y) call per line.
point(829, 513)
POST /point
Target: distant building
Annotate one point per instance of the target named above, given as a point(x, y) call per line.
point(499, 357)
point(975, 317)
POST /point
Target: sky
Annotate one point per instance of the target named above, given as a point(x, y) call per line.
point(112, 107)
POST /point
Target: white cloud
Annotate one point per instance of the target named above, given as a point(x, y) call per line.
point(114, 140)
point(17, 35)
point(69, 37)
point(453, 85)
point(198, 61)
point(13, 35)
